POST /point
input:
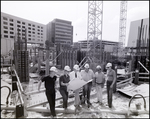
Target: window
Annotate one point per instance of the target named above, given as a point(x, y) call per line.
point(5, 27)
point(11, 32)
point(29, 28)
point(11, 36)
point(11, 20)
point(41, 27)
point(41, 30)
point(38, 26)
point(29, 35)
point(5, 31)
point(41, 33)
point(38, 39)
point(33, 39)
point(18, 22)
point(33, 25)
point(33, 28)
point(11, 28)
point(33, 35)
point(29, 24)
point(4, 18)
point(11, 24)
point(23, 26)
point(38, 33)
point(41, 39)
point(29, 31)
point(5, 23)
point(38, 29)
point(38, 36)
point(29, 38)
point(5, 36)
point(23, 23)
point(18, 25)
point(33, 32)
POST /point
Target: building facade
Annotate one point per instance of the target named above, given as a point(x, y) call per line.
point(36, 32)
point(60, 31)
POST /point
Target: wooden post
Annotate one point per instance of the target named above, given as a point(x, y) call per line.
point(115, 84)
point(136, 80)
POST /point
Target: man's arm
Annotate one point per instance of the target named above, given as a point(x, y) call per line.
point(40, 82)
point(114, 80)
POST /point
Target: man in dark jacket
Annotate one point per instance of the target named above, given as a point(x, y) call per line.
point(50, 89)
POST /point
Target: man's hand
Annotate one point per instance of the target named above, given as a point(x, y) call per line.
point(111, 86)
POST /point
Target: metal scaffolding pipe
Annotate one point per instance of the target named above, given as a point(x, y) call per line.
point(58, 110)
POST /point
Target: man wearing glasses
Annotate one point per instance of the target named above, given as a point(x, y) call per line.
point(111, 79)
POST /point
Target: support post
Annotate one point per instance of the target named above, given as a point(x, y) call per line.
point(136, 80)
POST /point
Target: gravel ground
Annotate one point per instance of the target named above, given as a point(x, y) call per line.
point(120, 102)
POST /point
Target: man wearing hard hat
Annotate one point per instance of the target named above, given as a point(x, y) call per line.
point(87, 74)
point(74, 75)
point(64, 82)
point(111, 79)
point(50, 88)
point(99, 81)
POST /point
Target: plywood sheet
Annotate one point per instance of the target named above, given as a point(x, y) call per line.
point(130, 91)
point(76, 84)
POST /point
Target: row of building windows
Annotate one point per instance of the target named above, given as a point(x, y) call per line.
point(19, 22)
point(6, 36)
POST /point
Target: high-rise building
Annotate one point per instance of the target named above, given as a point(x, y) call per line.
point(60, 31)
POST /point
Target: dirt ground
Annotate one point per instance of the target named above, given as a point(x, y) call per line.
point(120, 102)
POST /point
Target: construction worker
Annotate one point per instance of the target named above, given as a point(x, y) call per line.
point(87, 74)
point(64, 82)
point(111, 79)
point(75, 74)
point(50, 88)
point(99, 81)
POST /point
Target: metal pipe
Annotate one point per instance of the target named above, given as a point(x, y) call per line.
point(7, 95)
point(144, 73)
point(143, 77)
point(124, 81)
point(44, 109)
point(143, 66)
point(132, 99)
point(20, 95)
point(18, 81)
point(8, 108)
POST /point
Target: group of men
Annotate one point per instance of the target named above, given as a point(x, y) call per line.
point(98, 80)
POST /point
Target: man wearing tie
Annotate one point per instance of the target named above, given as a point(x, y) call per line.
point(74, 75)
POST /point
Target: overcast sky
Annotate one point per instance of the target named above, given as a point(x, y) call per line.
point(77, 12)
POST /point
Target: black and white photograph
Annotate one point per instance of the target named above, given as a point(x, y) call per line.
point(75, 59)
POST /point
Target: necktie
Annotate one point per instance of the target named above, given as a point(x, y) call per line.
point(75, 75)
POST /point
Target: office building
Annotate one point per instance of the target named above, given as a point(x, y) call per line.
point(60, 31)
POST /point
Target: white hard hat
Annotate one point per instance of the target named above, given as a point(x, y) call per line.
point(86, 66)
point(67, 68)
point(76, 67)
point(98, 67)
point(53, 69)
point(108, 65)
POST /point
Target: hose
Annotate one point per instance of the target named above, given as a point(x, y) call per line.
point(8, 94)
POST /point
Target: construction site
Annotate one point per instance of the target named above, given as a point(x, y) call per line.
point(20, 67)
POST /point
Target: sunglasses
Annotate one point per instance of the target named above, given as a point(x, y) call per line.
point(107, 67)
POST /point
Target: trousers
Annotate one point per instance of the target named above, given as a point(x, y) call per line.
point(86, 92)
point(99, 92)
point(64, 94)
point(77, 98)
point(51, 100)
point(109, 93)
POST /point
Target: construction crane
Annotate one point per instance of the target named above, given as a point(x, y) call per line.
point(95, 20)
point(122, 24)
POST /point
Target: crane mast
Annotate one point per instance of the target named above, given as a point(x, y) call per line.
point(94, 29)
